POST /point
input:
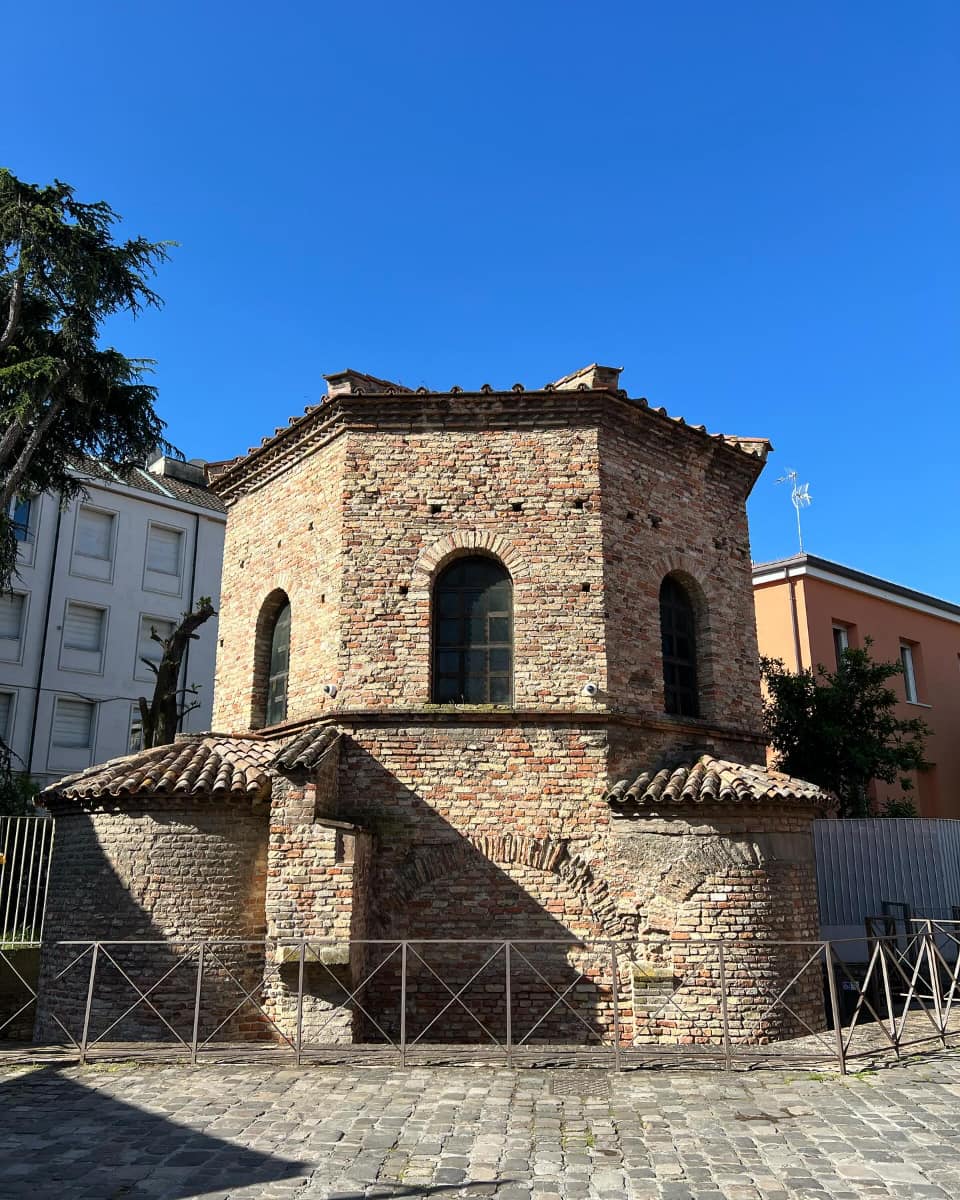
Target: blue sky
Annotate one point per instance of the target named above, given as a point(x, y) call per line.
point(752, 207)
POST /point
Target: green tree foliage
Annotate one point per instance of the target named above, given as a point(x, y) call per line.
point(161, 714)
point(17, 789)
point(63, 396)
point(840, 729)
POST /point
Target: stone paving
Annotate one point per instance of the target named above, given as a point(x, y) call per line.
point(172, 1132)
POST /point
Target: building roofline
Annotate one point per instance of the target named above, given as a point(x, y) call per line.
point(815, 567)
point(332, 407)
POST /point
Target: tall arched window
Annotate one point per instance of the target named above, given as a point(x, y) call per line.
point(678, 633)
point(279, 667)
point(473, 633)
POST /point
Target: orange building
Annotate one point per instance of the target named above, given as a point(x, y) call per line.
point(809, 609)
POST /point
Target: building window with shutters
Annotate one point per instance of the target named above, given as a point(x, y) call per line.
point(13, 614)
point(473, 633)
point(94, 543)
point(149, 650)
point(163, 571)
point(679, 641)
point(84, 637)
point(73, 734)
point(7, 704)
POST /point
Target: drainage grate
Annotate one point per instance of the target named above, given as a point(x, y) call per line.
point(593, 1085)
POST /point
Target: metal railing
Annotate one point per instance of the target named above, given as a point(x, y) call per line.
point(720, 1003)
point(26, 844)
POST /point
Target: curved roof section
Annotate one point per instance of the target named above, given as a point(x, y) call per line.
point(716, 781)
point(211, 764)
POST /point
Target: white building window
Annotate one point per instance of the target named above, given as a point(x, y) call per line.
point(13, 608)
point(84, 637)
point(6, 715)
point(73, 724)
point(164, 565)
point(93, 543)
point(23, 516)
point(149, 649)
point(909, 672)
point(135, 735)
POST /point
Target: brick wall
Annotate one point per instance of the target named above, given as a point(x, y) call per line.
point(157, 870)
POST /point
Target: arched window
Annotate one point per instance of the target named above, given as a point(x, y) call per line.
point(473, 633)
point(271, 661)
point(678, 633)
point(279, 667)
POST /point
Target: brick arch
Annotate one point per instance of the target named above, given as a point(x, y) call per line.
point(457, 544)
point(692, 573)
point(427, 864)
point(270, 609)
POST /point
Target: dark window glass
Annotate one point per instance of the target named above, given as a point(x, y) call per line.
point(279, 667)
point(678, 630)
point(473, 633)
point(21, 521)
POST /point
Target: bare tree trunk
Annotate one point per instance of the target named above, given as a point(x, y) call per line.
point(160, 714)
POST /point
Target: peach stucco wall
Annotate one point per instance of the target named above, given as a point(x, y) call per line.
point(820, 604)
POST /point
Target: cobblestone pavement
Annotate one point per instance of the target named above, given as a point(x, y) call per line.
point(169, 1132)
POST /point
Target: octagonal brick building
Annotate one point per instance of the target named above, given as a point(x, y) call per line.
point(501, 647)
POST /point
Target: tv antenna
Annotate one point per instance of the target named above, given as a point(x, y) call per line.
point(799, 497)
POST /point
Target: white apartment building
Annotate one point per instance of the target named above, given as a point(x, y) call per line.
point(132, 553)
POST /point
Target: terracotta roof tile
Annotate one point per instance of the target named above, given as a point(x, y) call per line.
point(307, 748)
point(205, 764)
point(712, 781)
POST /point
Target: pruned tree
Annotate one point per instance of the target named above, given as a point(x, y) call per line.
point(63, 396)
point(840, 729)
point(161, 714)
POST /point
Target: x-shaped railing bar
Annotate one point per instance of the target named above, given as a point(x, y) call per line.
point(778, 1000)
point(351, 996)
point(954, 977)
point(33, 995)
point(561, 997)
point(247, 995)
point(143, 997)
point(864, 1001)
point(456, 996)
point(910, 995)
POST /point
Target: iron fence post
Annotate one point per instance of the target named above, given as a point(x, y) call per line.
point(724, 1014)
point(934, 970)
point(508, 995)
point(403, 1004)
point(86, 1012)
point(615, 987)
point(196, 1006)
point(300, 969)
point(882, 950)
point(835, 1009)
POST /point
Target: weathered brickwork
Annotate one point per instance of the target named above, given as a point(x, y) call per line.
point(426, 822)
point(154, 870)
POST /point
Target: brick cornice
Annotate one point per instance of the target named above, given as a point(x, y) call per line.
point(406, 412)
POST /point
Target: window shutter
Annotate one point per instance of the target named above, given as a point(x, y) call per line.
point(94, 533)
point(163, 550)
point(73, 724)
point(6, 704)
point(11, 615)
point(147, 647)
point(83, 627)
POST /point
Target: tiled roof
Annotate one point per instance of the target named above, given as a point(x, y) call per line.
point(712, 781)
point(307, 748)
point(206, 764)
point(143, 481)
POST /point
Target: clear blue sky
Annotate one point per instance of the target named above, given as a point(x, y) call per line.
point(752, 207)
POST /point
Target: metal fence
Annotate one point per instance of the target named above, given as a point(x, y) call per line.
point(26, 844)
point(724, 1004)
